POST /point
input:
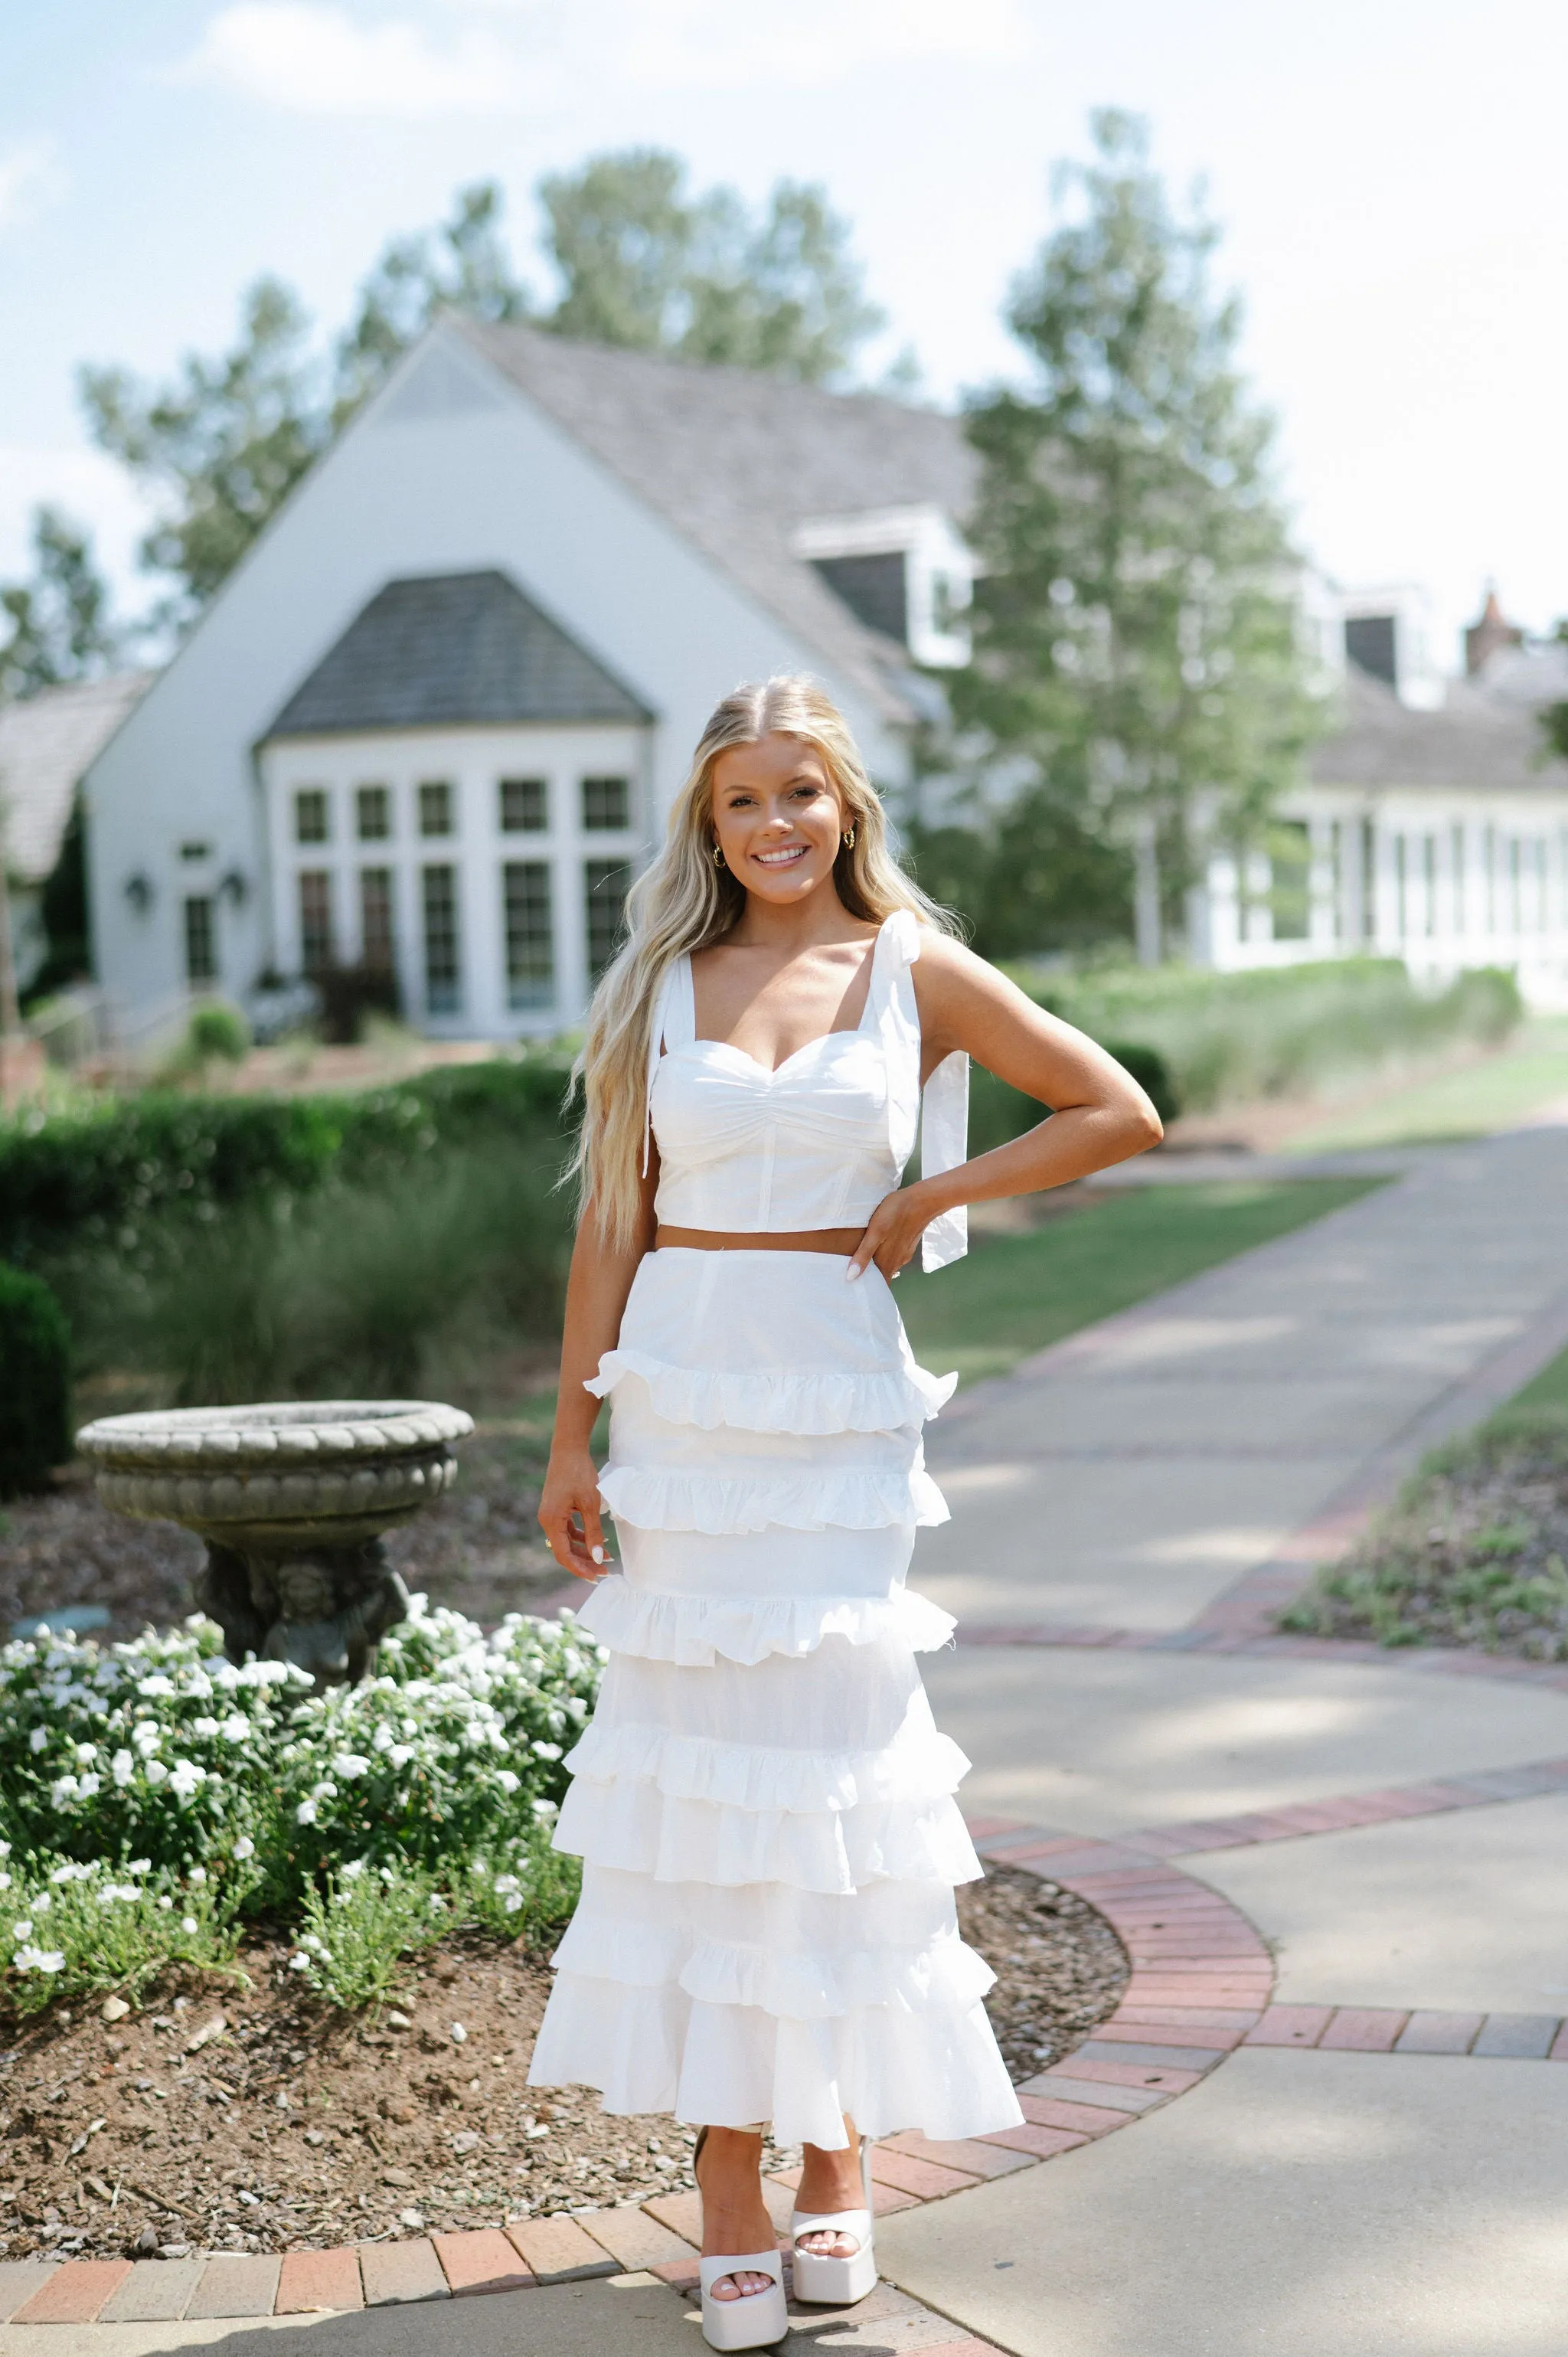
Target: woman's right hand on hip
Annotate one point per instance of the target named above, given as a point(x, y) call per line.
point(569, 1514)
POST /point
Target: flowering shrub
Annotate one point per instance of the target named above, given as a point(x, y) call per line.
point(151, 1785)
point(456, 1744)
point(70, 1927)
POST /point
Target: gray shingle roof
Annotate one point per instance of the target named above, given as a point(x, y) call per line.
point(737, 459)
point(1474, 740)
point(452, 649)
point(46, 742)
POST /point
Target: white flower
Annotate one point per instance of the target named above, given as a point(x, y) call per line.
point(245, 1846)
point(400, 1754)
point(39, 1960)
point(86, 1753)
point(187, 1780)
point(545, 1809)
point(507, 1781)
point(5, 1849)
point(4, 1882)
point(39, 1738)
point(352, 1871)
point(42, 1903)
point(157, 1772)
point(122, 1768)
point(350, 1763)
point(306, 1813)
point(298, 1961)
point(88, 1786)
point(189, 1926)
point(156, 1688)
point(513, 1902)
point(198, 1876)
point(24, 1930)
point(146, 1737)
point(235, 1729)
point(382, 1739)
point(325, 1791)
point(166, 1906)
point(204, 1727)
point(140, 1865)
point(63, 1789)
point(506, 1883)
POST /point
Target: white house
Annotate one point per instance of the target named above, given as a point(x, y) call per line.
point(47, 741)
point(435, 717)
point(1433, 825)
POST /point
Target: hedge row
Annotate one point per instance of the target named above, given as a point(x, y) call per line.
point(104, 1174)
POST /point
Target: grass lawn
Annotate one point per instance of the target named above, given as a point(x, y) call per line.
point(1546, 1394)
point(1015, 1293)
point(1488, 1095)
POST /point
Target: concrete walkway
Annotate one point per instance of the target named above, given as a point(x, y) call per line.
point(1147, 1477)
point(1128, 1510)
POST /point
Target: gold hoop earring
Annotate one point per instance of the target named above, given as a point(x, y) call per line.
point(718, 855)
point(849, 840)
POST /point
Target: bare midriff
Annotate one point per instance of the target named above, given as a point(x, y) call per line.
point(842, 1241)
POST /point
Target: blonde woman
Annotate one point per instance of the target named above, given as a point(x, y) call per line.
point(763, 1804)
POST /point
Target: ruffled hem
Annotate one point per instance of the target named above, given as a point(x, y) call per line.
point(693, 1631)
point(659, 2049)
point(637, 1829)
point(944, 1974)
point(917, 1765)
point(804, 1401)
point(661, 1498)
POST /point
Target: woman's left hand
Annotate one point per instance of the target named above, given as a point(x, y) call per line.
point(893, 1232)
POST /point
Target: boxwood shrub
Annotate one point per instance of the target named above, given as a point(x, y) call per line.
point(35, 1383)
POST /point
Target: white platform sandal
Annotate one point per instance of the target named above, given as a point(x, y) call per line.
point(756, 2319)
point(834, 2282)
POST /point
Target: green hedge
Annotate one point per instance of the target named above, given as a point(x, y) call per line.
point(35, 1383)
point(107, 1175)
point(1230, 1038)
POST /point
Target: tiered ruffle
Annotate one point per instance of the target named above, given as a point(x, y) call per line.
point(763, 1804)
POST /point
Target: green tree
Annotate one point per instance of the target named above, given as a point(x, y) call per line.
point(223, 445)
point(1136, 640)
point(645, 264)
point(461, 266)
point(58, 623)
point(640, 262)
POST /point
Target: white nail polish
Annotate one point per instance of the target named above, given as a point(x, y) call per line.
point(850, 1274)
point(598, 1555)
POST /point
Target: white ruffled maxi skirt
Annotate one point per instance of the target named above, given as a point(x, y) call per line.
point(762, 1802)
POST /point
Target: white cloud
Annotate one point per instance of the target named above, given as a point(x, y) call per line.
point(307, 58)
point(31, 175)
point(710, 44)
point(486, 57)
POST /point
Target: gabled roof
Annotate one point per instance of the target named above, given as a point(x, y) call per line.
point(46, 742)
point(452, 649)
point(738, 460)
point(1473, 739)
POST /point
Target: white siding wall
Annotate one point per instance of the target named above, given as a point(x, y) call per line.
point(451, 469)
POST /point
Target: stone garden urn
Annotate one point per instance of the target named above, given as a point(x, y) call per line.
point(291, 1500)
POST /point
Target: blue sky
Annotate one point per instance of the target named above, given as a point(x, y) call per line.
point(1389, 176)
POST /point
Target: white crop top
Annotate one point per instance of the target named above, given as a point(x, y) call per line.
point(820, 1142)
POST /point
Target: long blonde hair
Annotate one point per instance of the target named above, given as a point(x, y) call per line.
point(683, 902)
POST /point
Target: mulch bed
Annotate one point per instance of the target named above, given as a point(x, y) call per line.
point(298, 2125)
point(1474, 1553)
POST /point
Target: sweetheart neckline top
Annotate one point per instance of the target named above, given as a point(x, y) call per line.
point(746, 1147)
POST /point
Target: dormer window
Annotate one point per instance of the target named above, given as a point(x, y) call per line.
point(905, 573)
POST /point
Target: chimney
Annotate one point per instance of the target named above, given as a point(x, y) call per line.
point(1483, 639)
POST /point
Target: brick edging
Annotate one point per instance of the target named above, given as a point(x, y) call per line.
point(1201, 1980)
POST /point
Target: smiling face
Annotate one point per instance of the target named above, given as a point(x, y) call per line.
point(777, 817)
